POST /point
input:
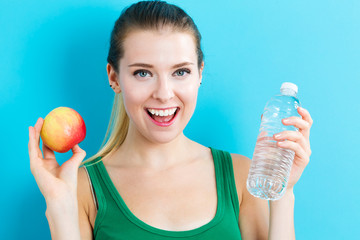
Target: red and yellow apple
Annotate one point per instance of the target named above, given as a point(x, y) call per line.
point(62, 129)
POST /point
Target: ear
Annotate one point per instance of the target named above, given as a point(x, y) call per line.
point(113, 77)
point(200, 72)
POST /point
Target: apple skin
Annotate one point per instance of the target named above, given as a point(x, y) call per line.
point(62, 129)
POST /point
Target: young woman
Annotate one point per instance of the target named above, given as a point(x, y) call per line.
point(149, 181)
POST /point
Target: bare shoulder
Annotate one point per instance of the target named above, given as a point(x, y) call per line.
point(241, 165)
point(87, 209)
point(84, 190)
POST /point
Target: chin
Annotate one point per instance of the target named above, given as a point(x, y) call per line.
point(164, 137)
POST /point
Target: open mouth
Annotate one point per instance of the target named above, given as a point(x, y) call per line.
point(164, 116)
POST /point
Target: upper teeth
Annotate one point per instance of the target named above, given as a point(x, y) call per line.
point(162, 113)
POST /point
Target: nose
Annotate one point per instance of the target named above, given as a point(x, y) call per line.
point(163, 90)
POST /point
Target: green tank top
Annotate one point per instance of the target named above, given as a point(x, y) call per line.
point(114, 220)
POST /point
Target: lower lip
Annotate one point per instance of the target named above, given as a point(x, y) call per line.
point(164, 124)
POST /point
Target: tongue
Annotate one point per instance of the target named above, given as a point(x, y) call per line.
point(163, 119)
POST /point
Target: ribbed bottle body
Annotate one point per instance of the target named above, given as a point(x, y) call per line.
point(271, 165)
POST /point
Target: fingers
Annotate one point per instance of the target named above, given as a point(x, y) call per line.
point(34, 139)
point(32, 148)
point(296, 122)
point(78, 155)
point(73, 163)
point(303, 124)
point(305, 115)
point(303, 158)
point(33, 145)
point(31, 142)
point(295, 137)
point(48, 153)
point(37, 128)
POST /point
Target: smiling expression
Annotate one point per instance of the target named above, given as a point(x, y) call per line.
point(159, 79)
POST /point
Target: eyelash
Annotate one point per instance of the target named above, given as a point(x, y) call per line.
point(140, 71)
point(146, 71)
point(183, 70)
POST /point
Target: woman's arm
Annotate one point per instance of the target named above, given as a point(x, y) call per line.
point(63, 219)
point(282, 217)
point(68, 216)
point(256, 220)
point(282, 210)
point(58, 184)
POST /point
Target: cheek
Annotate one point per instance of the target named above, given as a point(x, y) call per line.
point(189, 93)
point(132, 100)
point(134, 93)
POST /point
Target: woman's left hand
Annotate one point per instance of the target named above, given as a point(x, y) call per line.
point(298, 141)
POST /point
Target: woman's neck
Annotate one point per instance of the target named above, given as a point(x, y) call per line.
point(138, 151)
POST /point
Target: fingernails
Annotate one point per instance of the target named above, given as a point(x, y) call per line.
point(286, 120)
point(278, 136)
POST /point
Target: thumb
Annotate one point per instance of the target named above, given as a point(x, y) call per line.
point(78, 155)
point(72, 165)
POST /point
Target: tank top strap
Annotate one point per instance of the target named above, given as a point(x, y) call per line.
point(223, 161)
point(98, 187)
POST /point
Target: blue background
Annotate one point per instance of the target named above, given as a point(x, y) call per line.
point(53, 53)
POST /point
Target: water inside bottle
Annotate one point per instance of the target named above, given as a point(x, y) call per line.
point(270, 169)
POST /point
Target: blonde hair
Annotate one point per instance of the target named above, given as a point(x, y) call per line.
point(116, 131)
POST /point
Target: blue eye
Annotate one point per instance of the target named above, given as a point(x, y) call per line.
point(141, 73)
point(182, 72)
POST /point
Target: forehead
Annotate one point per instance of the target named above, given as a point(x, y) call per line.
point(166, 47)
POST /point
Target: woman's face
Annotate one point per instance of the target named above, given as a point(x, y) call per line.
point(159, 79)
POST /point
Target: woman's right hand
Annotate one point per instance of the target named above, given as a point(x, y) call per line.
point(55, 181)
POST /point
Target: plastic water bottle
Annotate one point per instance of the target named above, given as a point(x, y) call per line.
point(271, 165)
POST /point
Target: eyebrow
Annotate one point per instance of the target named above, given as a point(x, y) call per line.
point(151, 66)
